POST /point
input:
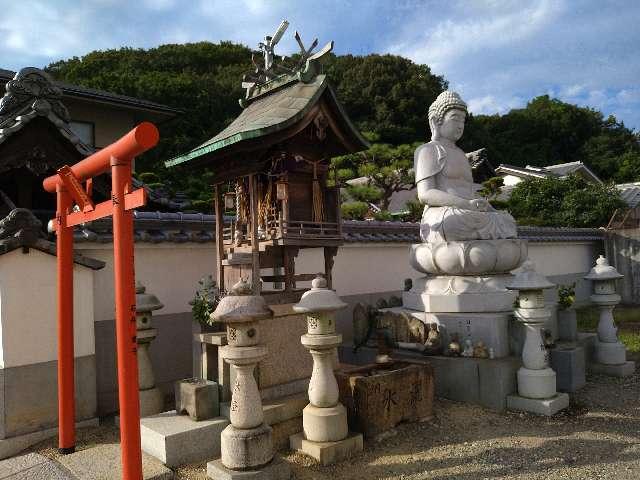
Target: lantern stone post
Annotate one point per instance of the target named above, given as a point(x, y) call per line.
point(610, 352)
point(536, 380)
point(151, 398)
point(325, 433)
point(246, 444)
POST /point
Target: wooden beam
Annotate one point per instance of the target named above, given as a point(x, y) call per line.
point(255, 248)
point(217, 199)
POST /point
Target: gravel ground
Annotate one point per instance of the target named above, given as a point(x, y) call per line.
point(598, 438)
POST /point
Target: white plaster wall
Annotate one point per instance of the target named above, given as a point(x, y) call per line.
point(169, 271)
point(562, 258)
point(28, 316)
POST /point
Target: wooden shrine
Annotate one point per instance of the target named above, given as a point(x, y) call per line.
point(271, 172)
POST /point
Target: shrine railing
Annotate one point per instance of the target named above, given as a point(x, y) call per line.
point(307, 229)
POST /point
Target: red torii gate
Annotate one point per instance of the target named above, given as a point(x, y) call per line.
point(67, 184)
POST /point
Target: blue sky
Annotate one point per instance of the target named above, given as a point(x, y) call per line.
point(497, 53)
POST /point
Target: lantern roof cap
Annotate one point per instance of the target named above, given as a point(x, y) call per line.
point(528, 279)
point(146, 302)
point(603, 271)
point(319, 298)
point(240, 306)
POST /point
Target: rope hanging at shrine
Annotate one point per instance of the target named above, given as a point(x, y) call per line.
point(318, 211)
point(265, 204)
point(242, 205)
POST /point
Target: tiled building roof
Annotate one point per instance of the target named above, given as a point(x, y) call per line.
point(157, 227)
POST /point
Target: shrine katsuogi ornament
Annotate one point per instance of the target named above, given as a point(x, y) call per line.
point(536, 380)
point(324, 420)
point(610, 352)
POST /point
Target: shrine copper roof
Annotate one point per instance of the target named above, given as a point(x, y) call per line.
point(272, 112)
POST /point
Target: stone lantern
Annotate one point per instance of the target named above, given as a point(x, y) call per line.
point(325, 433)
point(246, 445)
point(536, 380)
point(610, 353)
point(151, 398)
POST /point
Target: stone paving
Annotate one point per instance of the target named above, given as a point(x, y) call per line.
point(32, 466)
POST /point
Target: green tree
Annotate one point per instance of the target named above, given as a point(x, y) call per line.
point(569, 202)
point(388, 170)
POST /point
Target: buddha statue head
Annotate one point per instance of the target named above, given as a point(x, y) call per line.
point(446, 117)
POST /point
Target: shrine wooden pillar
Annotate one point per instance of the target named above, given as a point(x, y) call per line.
point(217, 195)
point(255, 247)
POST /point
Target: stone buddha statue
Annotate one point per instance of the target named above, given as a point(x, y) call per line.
point(453, 210)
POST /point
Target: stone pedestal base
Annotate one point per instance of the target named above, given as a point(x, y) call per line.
point(327, 424)
point(610, 353)
point(244, 449)
point(569, 364)
point(277, 469)
point(198, 398)
point(546, 406)
point(151, 402)
point(536, 384)
point(327, 452)
point(491, 328)
point(623, 370)
point(445, 298)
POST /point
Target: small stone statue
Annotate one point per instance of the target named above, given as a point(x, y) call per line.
point(468, 348)
point(480, 350)
point(454, 349)
point(433, 344)
point(394, 301)
point(408, 284)
point(548, 339)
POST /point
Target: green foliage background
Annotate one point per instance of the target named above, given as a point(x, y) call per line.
point(386, 96)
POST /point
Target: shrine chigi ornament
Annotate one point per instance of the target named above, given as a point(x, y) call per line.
point(325, 433)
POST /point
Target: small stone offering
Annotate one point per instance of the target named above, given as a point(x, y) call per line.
point(468, 348)
point(480, 350)
point(454, 348)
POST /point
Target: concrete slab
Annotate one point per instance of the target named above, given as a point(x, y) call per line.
point(11, 446)
point(177, 440)
point(277, 469)
point(569, 364)
point(328, 453)
point(32, 466)
point(624, 370)
point(103, 463)
point(548, 406)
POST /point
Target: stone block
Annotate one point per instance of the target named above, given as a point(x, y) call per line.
point(569, 364)
point(497, 380)
point(177, 440)
point(283, 430)
point(104, 461)
point(328, 453)
point(246, 449)
point(199, 398)
point(277, 469)
point(588, 341)
point(378, 398)
point(623, 370)
point(287, 360)
point(567, 325)
point(459, 303)
point(547, 406)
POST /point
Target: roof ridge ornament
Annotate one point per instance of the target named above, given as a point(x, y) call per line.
point(269, 74)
